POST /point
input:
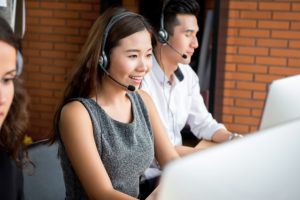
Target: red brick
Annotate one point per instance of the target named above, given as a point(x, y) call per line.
point(249, 103)
point(294, 62)
point(66, 14)
point(239, 59)
point(233, 14)
point(240, 5)
point(271, 61)
point(32, 84)
point(253, 129)
point(64, 63)
point(31, 68)
point(254, 33)
point(231, 49)
point(285, 53)
point(284, 71)
point(75, 39)
point(66, 47)
point(38, 29)
point(55, 22)
point(40, 92)
point(40, 45)
point(273, 24)
point(273, 6)
point(266, 78)
point(253, 51)
point(296, 7)
point(228, 101)
point(271, 43)
point(52, 38)
point(227, 118)
point(240, 41)
point(237, 111)
point(229, 84)
point(234, 23)
point(286, 34)
point(252, 68)
point(40, 61)
point(31, 52)
point(259, 95)
point(53, 70)
point(237, 128)
point(31, 36)
point(52, 85)
point(53, 54)
point(256, 112)
point(128, 2)
point(232, 32)
point(31, 4)
point(286, 16)
point(295, 25)
point(255, 15)
point(237, 93)
point(230, 67)
point(246, 120)
point(89, 15)
point(32, 20)
point(79, 6)
point(39, 13)
point(40, 77)
point(66, 31)
point(53, 5)
point(251, 86)
point(238, 76)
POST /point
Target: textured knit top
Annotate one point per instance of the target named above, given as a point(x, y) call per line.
point(126, 149)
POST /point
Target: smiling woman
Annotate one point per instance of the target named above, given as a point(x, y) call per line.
point(108, 130)
point(13, 116)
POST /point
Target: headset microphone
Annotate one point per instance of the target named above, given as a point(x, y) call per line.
point(128, 87)
point(163, 35)
point(182, 55)
point(103, 60)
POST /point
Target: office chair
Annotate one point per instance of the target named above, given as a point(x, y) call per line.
point(47, 181)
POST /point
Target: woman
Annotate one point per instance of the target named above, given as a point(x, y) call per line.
point(13, 115)
point(108, 134)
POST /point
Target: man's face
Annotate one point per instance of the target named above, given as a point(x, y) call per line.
point(184, 38)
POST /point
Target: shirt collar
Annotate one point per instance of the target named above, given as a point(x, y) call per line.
point(161, 75)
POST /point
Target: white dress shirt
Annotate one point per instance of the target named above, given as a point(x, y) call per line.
point(178, 104)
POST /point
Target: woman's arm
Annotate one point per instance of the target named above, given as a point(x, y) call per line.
point(76, 132)
point(164, 150)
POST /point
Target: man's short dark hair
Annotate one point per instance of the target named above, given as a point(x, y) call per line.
point(174, 7)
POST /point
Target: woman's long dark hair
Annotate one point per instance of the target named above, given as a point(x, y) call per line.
point(85, 75)
point(13, 128)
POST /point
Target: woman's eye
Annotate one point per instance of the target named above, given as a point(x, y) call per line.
point(149, 55)
point(7, 80)
point(133, 56)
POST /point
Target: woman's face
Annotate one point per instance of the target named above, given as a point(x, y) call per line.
point(7, 74)
point(131, 60)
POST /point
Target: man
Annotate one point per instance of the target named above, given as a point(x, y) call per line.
point(174, 86)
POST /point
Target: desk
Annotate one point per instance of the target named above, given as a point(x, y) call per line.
point(204, 144)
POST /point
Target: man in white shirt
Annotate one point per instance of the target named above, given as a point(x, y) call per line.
point(174, 86)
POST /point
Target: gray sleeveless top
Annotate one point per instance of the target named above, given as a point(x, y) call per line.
point(126, 150)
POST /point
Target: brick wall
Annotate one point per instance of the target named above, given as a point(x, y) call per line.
point(55, 32)
point(263, 44)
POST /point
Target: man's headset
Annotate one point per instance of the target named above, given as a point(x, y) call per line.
point(163, 35)
point(103, 61)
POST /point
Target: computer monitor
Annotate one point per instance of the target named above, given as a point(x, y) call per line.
point(282, 103)
point(263, 165)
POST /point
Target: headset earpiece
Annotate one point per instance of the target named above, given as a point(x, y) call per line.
point(103, 59)
point(19, 63)
point(162, 34)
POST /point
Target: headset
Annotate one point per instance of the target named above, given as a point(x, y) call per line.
point(19, 63)
point(103, 61)
point(162, 34)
